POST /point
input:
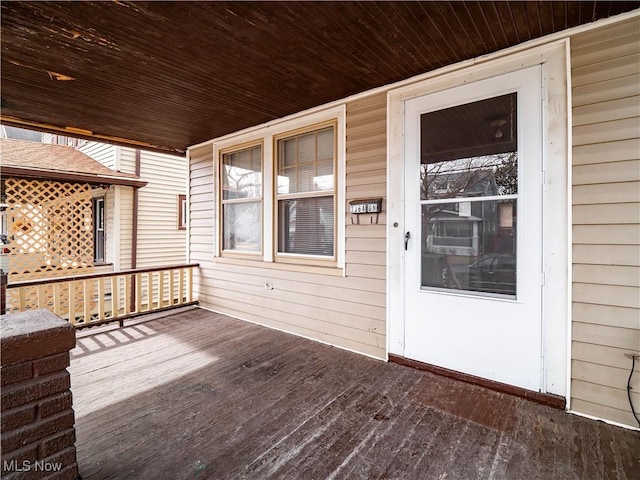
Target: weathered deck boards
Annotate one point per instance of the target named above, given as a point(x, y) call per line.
point(201, 395)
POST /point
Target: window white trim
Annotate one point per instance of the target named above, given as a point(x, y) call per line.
point(266, 134)
point(306, 258)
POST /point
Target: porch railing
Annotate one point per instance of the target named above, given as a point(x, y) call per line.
point(92, 299)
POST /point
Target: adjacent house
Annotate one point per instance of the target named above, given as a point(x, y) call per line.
point(53, 215)
point(530, 282)
point(133, 227)
point(65, 212)
point(144, 227)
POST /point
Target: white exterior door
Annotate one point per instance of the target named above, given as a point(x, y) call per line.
point(473, 243)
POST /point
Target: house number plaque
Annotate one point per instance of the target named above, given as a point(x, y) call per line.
point(370, 205)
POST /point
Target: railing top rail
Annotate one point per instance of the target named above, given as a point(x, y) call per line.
point(90, 276)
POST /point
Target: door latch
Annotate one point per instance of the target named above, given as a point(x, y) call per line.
point(407, 236)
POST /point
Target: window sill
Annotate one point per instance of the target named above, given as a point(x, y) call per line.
point(290, 267)
point(102, 264)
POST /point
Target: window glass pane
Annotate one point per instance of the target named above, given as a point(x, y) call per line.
point(288, 152)
point(98, 230)
point(470, 177)
point(470, 246)
point(242, 174)
point(325, 144)
point(307, 148)
point(183, 211)
point(242, 225)
point(306, 226)
point(470, 150)
point(285, 181)
point(306, 163)
point(305, 176)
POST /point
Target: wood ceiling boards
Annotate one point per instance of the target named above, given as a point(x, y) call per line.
point(173, 74)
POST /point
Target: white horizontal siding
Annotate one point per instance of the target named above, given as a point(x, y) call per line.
point(160, 241)
point(103, 153)
point(346, 311)
point(127, 159)
point(606, 219)
point(125, 224)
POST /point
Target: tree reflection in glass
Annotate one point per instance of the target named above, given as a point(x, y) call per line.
point(469, 156)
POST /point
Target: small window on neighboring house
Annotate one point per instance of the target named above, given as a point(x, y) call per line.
point(306, 193)
point(182, 212)
point(241, 202)
point(98, 230)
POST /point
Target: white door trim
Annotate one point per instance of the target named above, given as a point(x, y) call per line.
point(556, 225)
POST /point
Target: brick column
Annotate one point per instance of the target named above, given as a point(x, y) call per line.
point(38, 434)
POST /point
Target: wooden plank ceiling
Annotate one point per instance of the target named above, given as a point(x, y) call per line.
point(173, 74)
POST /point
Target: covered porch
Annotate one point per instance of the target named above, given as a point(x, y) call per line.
point(197, 394)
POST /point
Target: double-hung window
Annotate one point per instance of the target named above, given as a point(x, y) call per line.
point(305, 193)
point(241, 202)
point(280, 192)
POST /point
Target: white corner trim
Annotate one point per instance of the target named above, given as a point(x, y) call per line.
point(569, 240)
point(117, 164)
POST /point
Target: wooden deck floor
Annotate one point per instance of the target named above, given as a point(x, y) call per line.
point(197, 395)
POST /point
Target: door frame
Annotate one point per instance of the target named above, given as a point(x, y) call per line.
point(555, 192)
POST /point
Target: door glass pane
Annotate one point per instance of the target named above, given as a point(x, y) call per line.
point(470, 152)
point(470, 246)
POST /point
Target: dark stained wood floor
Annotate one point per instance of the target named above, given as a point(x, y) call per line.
point(197, 395)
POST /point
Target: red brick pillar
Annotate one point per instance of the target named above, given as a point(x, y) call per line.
point(38, 434)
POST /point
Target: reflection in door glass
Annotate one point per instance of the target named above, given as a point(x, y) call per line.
point(469, 154)
point(470, 246)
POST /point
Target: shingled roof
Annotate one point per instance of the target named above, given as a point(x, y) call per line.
point(58, 162)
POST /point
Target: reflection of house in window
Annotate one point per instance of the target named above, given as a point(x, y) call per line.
point(468, 192)
point(468, 182)
point(459, 228)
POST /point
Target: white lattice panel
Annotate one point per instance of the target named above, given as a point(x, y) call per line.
point(50, 231)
